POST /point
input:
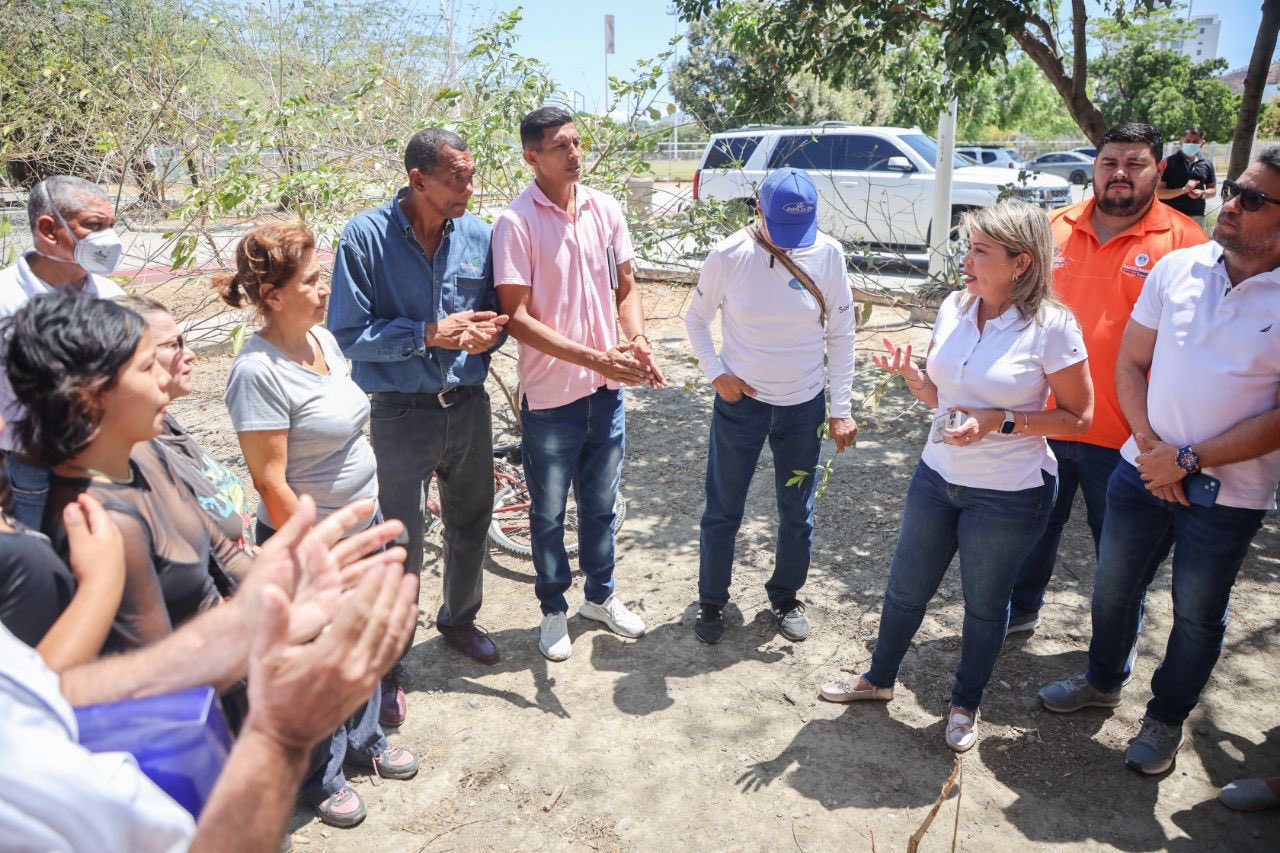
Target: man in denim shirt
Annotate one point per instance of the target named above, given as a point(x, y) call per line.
point(412, 308)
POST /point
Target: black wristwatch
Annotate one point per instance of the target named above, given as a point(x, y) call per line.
point(1006, 428)
point(1188, 460)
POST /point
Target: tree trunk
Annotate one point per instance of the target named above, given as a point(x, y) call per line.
point(1082, 110)
point(1255, 80)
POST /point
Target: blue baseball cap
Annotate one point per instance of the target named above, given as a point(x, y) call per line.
point(789, 202)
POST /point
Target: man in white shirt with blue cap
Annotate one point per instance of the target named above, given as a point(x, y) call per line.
point(787, 326)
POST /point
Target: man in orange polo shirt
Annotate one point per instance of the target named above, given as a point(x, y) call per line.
point(1104, 247)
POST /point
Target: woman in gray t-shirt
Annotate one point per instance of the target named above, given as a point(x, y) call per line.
point(299, 416)
point(300, 419)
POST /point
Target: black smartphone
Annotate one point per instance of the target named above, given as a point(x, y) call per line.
point(1201, 489)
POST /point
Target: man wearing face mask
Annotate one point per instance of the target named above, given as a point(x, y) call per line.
point(73, 246)
point(1188, 177)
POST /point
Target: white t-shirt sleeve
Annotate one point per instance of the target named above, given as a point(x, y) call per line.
point(54, 793)
point(840, 334)
point(1063, 342)
point(1150, 304)
point(704, 304)
point(255, 398)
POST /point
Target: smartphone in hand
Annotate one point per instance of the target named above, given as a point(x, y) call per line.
point(946, 420)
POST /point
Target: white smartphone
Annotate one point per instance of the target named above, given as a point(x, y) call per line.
point(946, 420)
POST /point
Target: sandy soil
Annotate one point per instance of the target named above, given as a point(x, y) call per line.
point(664, 742)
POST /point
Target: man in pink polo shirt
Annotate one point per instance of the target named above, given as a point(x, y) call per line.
point(562, 266)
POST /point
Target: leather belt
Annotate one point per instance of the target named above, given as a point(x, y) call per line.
point(442, 400)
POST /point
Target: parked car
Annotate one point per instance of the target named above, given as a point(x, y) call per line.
point(1088, 150)
point(875, 184)
point(991, 155)
point(1072, 165)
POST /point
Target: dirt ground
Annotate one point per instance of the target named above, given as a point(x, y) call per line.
point(665, 743)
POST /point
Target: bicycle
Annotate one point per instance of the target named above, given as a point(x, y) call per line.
point(510, 529)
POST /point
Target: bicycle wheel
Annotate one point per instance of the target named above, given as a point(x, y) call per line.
point(510, 531)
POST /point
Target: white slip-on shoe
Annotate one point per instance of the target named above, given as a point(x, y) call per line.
point(962, 729)
point(553, 637)
point(848, 689)
point(614, 614)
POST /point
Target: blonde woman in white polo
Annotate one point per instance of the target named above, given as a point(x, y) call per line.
point(985, 483)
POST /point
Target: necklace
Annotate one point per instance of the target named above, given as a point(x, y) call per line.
point(101, 476)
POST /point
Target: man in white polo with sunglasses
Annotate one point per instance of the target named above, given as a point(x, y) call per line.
point(1198, 378)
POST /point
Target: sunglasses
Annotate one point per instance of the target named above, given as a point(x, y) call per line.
point(178, 344)
point(1250, 200)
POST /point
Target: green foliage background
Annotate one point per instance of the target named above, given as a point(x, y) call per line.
point(208, 116)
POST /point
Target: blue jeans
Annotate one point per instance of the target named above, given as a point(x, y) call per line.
point(1087, 467)
point(360, 736)
point(580, 443)
point(30, 487)
point(1210, 544)
point(1082, 466)
point(993, 531)
point(738, 432)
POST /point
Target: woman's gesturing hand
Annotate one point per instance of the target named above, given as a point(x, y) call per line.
point(898, 360)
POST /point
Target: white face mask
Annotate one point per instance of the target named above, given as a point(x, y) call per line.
point(97, 252)
point(1191, 149)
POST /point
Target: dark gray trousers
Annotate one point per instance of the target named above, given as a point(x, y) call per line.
point(413, 437)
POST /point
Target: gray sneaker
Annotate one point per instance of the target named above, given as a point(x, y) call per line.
point(792, 623)
point(1152, 750)
point(1074, 693)
point(1022, 623)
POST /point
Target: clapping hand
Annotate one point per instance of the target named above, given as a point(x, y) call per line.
point(313, 568)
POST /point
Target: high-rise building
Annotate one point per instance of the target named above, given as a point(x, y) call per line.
point(1201, 44)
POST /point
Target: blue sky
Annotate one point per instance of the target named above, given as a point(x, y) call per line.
point(569, 37)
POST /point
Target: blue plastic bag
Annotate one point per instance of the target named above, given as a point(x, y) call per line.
point(180, 740)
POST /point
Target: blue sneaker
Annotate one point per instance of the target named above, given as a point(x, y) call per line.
point(1152, 750)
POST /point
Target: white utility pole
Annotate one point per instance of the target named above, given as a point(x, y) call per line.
point(940, 232)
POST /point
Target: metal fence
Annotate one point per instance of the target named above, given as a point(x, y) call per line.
point(678, 151)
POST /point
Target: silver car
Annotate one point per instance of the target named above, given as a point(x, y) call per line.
point(1072, 165)
point(991, 155)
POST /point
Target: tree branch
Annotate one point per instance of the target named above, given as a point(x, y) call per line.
point(1050, 38)
point(1079, 69)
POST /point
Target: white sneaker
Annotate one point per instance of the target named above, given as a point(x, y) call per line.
point(614, 614)
point(553, 639)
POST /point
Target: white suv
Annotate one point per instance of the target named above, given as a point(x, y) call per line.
point(875, 184)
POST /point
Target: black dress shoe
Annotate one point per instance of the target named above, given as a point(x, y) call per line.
point(473, 641)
